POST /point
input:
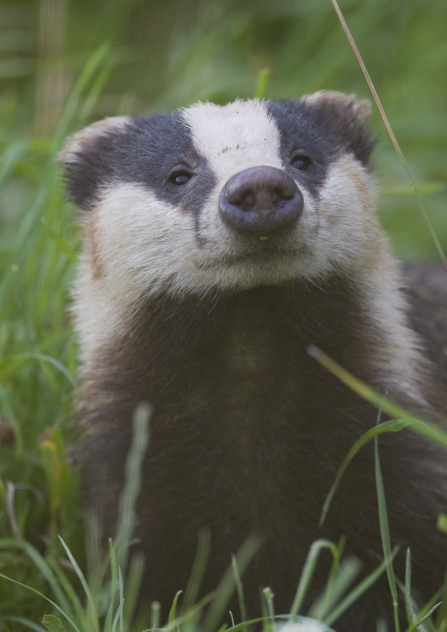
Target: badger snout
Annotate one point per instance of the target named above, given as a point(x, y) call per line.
point(260, 200)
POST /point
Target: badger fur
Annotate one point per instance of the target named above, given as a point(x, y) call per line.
point(219, 243)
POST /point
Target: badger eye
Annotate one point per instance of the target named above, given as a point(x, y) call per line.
point(301, 162)
point(179, 177)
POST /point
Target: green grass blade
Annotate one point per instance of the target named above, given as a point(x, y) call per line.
point(113, 587)
point(121, 607)
point(77, 606)
point(336, 588)
point(62, 243)
point(423, 428)
point(13, 155)
point(269, 617)
point(395, 425)
point(441, 619)
point(26, 623)
point(308, 571)
point(198, 569)
point(87, 74)
point(39, 594)
point(9, 411)
point(42, 565)
point(390, 132)
point(53, 624)
point(133, 582)
point(358, 591)
point(227, 584)
point(385, 534)
point(239, 588)
point(407, 589)
point(132, 482)
point(261, 86)
point(173, 610)
point(118, 619)
point(155, 616)
point(94, 619)
point(40, 357)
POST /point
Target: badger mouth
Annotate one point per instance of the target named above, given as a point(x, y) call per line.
point(266, 256)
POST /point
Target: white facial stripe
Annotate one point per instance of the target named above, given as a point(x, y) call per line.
point(349, 231)
point(234, 137)
point(135, 246)
point(143, 242)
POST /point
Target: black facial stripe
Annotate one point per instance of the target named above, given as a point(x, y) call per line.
point(92, 166)
point(145, 152)
point(314, 130)
point(162, 142)
point(298, 135)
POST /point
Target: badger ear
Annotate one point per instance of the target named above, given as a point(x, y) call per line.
point(344, 117)
point(346, 108)
point(88, 158)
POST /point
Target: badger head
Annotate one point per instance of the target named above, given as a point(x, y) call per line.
point(221, 199)
point(211, 197)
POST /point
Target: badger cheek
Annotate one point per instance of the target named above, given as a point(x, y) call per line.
point(92, 251)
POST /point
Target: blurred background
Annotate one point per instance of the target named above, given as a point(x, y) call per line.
point(65, 63)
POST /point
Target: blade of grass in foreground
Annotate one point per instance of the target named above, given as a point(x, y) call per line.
point(336, 587)
point(441, 619)
point(36, 592)
point(308, 571)
point(424, 428)
point(92, 606)
point(239, 589)
point(358, 591)
point(53, 624)
point(402, 419)
point(197, 572)
point(25, 622)
point(228, 584)
point(128, 499)
point(390, 131)
point(43, 567)
point(385, 534)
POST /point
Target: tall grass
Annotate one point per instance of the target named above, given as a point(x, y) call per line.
point(134, 57)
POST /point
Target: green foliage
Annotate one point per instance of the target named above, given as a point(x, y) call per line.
point(53, 624)
point(63, 65)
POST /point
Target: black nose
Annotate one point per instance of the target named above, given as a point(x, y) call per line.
point(260, 199)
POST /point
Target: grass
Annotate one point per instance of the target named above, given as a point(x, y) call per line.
point(160, 58)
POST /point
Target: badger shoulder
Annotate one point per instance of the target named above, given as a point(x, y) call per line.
point(425, 289)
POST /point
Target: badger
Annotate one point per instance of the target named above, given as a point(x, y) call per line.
point(220, 242)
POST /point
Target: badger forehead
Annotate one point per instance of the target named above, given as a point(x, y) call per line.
point(242, 126)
